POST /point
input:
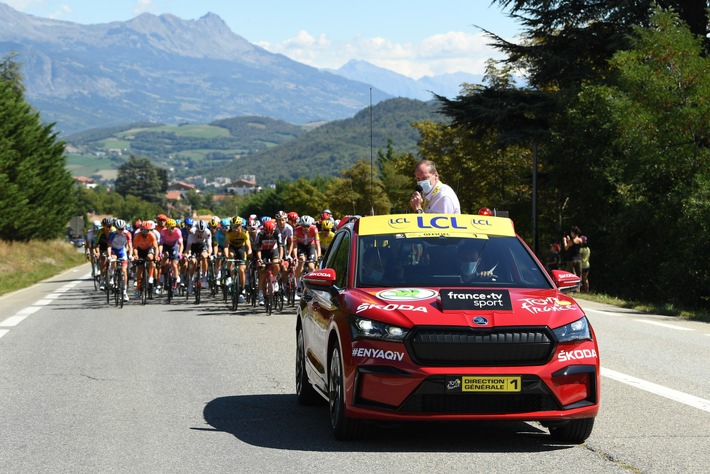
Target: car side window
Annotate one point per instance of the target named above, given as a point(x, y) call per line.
point(338, 260)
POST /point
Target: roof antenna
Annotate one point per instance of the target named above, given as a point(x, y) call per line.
point(372, 169)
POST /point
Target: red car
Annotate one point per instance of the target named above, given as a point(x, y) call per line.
point(444, 317)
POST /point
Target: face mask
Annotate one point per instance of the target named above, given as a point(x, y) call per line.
point(426, 186)
point(468, 268)
point(376, 276)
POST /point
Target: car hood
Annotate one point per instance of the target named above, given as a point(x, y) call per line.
point(482, 307)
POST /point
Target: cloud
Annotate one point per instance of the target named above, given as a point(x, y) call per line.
point(438, 54)
point(61, 13)
point(143, 6)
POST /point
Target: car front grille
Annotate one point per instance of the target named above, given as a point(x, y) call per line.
point(450, 347)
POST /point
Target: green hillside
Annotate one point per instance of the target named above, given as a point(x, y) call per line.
point(337, 145)
point(270, 149)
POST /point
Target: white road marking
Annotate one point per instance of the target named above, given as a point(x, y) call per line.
point(675, 395)
point(13, 320)
point(664, 325)
point(3, 332)
point(43, 302)
point(28, 310)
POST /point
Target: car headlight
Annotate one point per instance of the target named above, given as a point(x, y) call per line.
point(376, 330)
point(575, 331)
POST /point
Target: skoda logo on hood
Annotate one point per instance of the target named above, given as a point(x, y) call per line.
point(480, 320)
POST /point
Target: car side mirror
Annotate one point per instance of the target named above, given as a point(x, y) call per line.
point(566, 281)
point(322, 278)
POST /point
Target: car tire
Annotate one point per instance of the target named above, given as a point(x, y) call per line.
point(305, 393)
point(573, 432)
point(344, 427)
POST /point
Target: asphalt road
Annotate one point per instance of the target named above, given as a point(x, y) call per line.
point(87, 387)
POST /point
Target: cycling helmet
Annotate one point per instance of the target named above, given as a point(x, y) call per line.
point(237, 221)
point(200, 226)
point(107, 221)
point(306, 221)
point(138, 224)
point(253, 224)
point(148, 225)
point(170, 223)
point(269, 226)
point(326, 224)
point(189, 221)
point(292, 216)
point(179, 223)
point(281, 215)
point(252, 217)
point(120, 224)
point(214, 222)
point(225, 222)
point(162, 217)
point(265, 219)
point(97, 224)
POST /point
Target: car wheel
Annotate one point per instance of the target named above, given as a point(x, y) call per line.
point(573, 432)
point(305, 392)
point(344, 427)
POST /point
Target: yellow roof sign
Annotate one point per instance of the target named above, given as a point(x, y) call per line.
point(455, 225)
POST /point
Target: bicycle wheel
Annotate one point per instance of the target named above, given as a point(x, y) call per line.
point(169, 283)
point(280, 297)
point(115, 285)
point(107, 287)
point(269, 293)
point(198, 284)
point(235, 291)
point(144, 283)
point(121, 285)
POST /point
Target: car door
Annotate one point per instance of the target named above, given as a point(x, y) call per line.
point(321, 307)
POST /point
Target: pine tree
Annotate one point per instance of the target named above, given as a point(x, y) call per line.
point(36, 201)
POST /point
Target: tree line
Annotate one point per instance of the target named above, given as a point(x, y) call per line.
point(609, 134)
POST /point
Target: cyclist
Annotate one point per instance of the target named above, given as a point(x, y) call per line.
point(307, 246)
point(160, 221)
point(325, 234)
point(199, 242)
point(171, 247)
point(287, 238)
point(292, 218)
point(237, 246)
point(119, 244)
point(269, 252)
point(89, 240)
point(145, 247)
point(101, 247)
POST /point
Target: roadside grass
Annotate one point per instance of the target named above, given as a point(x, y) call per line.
point(23, 264)
point(664, 309)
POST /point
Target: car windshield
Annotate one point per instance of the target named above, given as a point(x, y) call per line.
point(490, 261)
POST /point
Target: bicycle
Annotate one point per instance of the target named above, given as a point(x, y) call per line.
point(168, 281)
point(270, 301)
point(145, 289)
point(95, 271)
point(212, 278)
point(252, 283)
point(196, 282)
point(119, 287)
point(289, 287)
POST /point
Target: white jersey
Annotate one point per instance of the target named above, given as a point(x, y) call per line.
point(442, 199)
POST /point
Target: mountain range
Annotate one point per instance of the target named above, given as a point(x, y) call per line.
point(169, 70)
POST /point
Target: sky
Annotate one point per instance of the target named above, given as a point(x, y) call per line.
point(412, 37)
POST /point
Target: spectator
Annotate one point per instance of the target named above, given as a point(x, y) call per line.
point(553, 260)
point(435, 196)
point(585, 252)
point(573, 243)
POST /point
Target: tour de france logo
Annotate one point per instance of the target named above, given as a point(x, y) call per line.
point(406, 294)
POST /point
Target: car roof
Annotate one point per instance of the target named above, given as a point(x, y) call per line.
point(428, 225)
